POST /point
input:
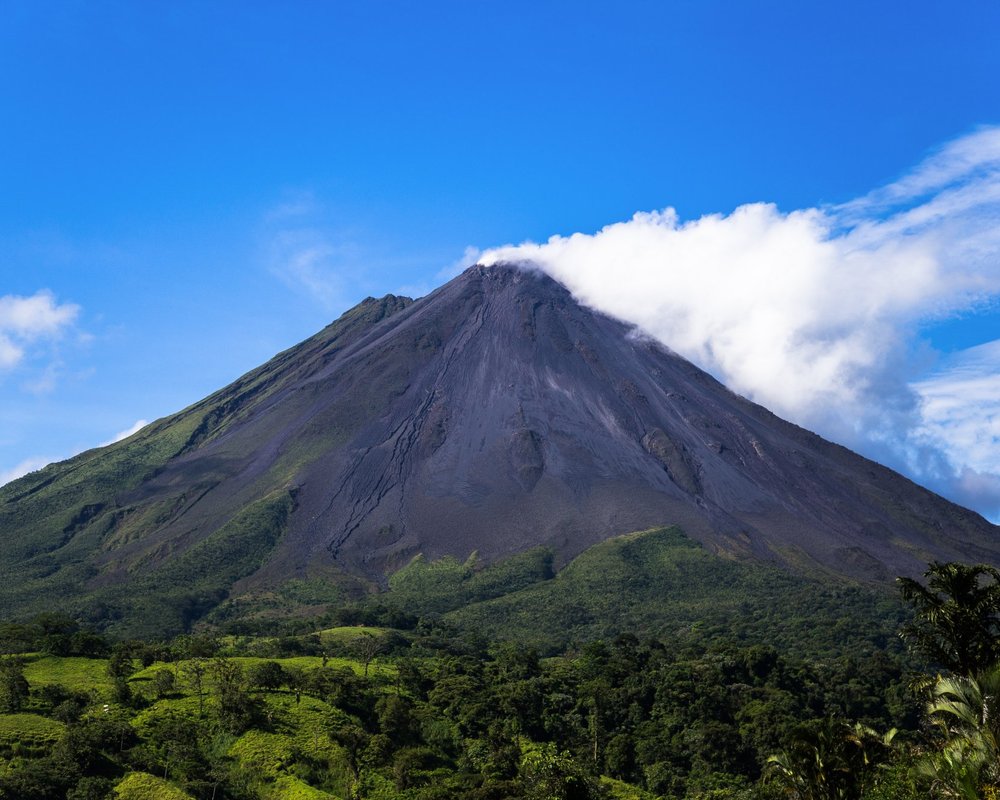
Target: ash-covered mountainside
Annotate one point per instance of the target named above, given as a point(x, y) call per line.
point(494, 415)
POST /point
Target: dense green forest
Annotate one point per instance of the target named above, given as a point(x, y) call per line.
point(388, 704)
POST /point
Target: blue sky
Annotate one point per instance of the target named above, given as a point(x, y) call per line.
point(191, 187)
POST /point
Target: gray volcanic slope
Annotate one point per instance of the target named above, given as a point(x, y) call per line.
point(493, 415)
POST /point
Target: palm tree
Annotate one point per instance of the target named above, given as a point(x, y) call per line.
point(833, 761)
point(957, 622)
point(967, 713)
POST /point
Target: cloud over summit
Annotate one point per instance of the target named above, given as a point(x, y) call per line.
point(816, 313)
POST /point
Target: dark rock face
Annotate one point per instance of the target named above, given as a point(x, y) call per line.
point(497, 414)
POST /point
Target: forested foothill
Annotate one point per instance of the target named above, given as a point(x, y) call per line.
point(379, 702)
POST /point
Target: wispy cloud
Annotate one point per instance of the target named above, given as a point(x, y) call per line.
point(135, 427)
point(295, 205)
point(964, 168)
point(470, 256)
point(815, 312)
point(309, 261)
point(45, 381)
point(332, 262)
point(23, 468)
point(34, 463)
point(311, 254)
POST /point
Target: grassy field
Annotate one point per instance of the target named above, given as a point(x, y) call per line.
point(143, 786)
point(347, 634)
point(289, 787)
point(378, 669)
point(26, 733)
point(78, 674)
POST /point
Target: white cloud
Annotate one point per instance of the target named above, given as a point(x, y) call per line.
point(768, 301)
point(135, 427)
point(25, 320)
point(814, 313)
point(956, 165)
point(37, 462)
point(10, 353)
point(960, 418)
point(26, 466)
point(38, 315)
point(470, 256)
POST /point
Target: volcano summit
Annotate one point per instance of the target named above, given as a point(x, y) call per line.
point(494, 415)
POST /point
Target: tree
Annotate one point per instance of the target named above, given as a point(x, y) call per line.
point(91, 788)
point(55, 631)
point(237, 707)
point(13, 685)
point(548, 774)
point(164, 682)
point(395, 718)
point(190, 645)
point(171, 747)
point(353, 739)
point(194, 672)
point(296, 681)
point(966, 711)
point(16, 638)
point(37, 779)
point(121, 692)
point(367, 647)
point(120, 664)
point(957, 622)
point(832, 761)
point(267, 675)
point(63, 703)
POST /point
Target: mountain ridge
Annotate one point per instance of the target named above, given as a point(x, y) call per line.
point(494, 415)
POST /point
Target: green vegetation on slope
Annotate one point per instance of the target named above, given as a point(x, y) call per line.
point(92, 521)
point(446, 584)
point(25, 733)
point(168, 598)
point(656, 582)
point(143, 786)
point(166, 595)
point(53, 521)
point(75, 673)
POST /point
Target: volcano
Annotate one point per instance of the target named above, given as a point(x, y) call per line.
point(494, 415)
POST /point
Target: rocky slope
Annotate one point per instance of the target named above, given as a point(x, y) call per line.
point(493, 415)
